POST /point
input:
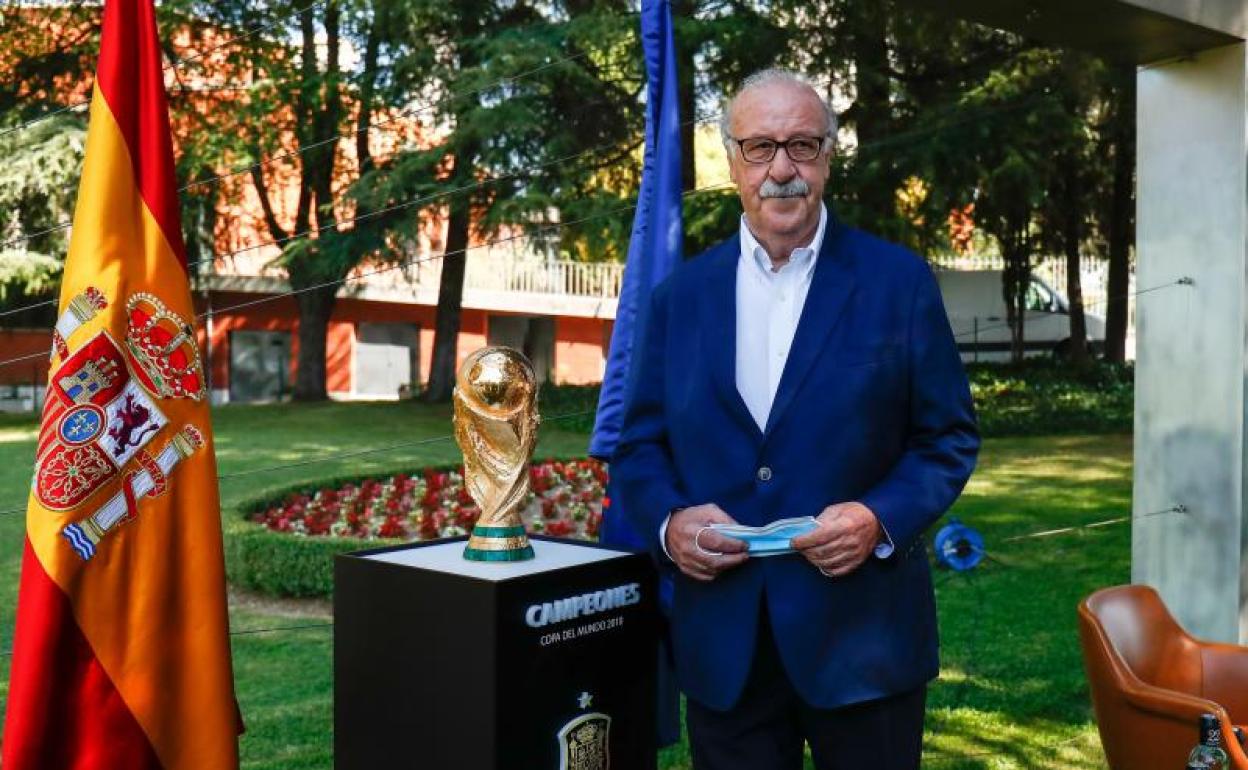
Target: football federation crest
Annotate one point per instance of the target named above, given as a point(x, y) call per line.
point(584, 743)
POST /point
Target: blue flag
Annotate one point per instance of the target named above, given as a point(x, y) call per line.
point(653, 251)
point(657, 242)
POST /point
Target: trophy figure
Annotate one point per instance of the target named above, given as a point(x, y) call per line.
point(496, 429)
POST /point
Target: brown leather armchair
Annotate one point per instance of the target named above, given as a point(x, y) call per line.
point(1151, 681)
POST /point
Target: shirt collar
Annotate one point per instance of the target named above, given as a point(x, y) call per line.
point(802, 258)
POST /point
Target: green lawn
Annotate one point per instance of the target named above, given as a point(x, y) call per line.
point(1012, 692)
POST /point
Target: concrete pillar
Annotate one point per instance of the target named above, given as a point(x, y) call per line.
point(1191, 340)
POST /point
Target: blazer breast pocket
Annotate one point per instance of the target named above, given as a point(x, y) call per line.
point(867, 353)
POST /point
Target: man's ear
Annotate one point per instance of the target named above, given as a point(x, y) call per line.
point(732, 167)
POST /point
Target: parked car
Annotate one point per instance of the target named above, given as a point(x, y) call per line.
point(976, 309)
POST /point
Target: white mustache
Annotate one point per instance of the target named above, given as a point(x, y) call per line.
point(794, 188)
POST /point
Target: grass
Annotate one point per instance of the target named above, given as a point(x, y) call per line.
point(1011, 694)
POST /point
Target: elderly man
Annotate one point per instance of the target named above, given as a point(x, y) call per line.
point(800, 368)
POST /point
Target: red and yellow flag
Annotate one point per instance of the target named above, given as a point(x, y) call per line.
point(121, 657)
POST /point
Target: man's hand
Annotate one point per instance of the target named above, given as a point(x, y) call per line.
point(683, 528)
point(847, 535)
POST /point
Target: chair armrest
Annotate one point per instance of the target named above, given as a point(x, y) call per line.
point(1171, 704)
point(1184, 709)
point(1224, 677)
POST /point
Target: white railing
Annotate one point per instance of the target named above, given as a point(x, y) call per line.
point(499, 269)
point(564, 277)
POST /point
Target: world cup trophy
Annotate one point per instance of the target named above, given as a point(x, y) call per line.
point(496, 428)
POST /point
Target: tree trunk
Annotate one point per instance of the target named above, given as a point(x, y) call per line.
point(1014, 280)
point(686, 69)
point(363, 154)
point(317, 305)
point(315, 308)
point(455, 257)
point(450, 302)
point(319, 167)
point(872, 113)
point(1121, 221)
point(1072, 218)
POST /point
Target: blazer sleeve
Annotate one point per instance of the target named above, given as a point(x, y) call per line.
point(642, 469)
point(943, 439)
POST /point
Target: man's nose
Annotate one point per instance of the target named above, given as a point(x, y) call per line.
point(782, 167)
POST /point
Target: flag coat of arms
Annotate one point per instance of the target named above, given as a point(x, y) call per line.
point(121, 653)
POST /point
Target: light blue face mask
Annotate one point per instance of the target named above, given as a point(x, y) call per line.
point(771, 540)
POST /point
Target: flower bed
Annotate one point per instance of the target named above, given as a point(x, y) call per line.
point(565, 501)
point(286, 543)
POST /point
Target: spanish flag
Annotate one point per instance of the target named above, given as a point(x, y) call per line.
point(121, 658)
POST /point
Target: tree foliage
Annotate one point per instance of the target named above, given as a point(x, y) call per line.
point(38, 185)
point(524, 120)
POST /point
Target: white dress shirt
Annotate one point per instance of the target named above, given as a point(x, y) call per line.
point(769, 305)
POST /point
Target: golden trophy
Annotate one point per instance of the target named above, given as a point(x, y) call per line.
point(496, 428)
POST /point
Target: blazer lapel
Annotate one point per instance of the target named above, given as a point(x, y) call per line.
point(830, 289)
point(719, 329)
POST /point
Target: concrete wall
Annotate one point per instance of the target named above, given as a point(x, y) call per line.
point(1228, 16)
point(1190, 409)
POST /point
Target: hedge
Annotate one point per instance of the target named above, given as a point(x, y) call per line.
point(283, 565)
point(1042, 397)
point(275, 563)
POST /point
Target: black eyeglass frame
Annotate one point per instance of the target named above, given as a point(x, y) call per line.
point(777, 145)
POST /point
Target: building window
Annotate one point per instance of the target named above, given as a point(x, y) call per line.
point(259, 365)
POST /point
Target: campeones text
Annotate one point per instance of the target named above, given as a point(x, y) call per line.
point(538, 615)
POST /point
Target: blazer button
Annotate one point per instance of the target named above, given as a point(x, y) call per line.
point(764, 473)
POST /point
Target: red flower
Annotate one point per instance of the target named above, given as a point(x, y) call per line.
point(606, 502)
point(468, 516)
point(559, 528)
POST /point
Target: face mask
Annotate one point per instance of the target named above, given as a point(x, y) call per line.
point(771, 540)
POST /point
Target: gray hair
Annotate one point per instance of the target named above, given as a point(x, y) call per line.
point(767, 77)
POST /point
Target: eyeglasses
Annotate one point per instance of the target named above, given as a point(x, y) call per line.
point(800, 149)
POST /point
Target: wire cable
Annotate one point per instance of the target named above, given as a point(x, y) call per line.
point(243, 632)
point(410, 112)
point(333, 457)
point(473, 186)
point(415, 261)
point(1184, 281)
point(416, 110)
point(171, 65)
point(176, 63)
point(1180, 508)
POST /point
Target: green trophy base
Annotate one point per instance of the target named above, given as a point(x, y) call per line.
point(498, 544)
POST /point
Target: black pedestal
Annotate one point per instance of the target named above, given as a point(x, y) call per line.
point(446, 664)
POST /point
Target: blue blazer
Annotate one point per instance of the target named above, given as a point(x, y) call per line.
point(873, 405)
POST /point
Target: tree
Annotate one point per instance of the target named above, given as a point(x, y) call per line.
point(285, 119)
point(1066, 221)
point(1011, 157)
point(1116, 209)
point(536, 109)
point(38, 185)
